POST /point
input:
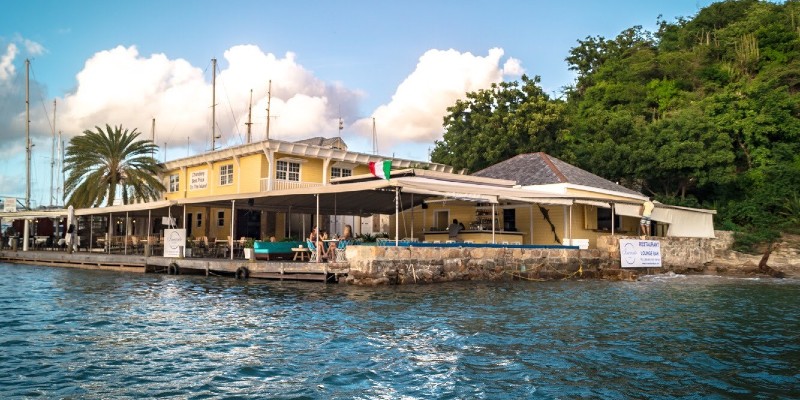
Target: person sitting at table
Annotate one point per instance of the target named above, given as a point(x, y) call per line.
point(348, 233)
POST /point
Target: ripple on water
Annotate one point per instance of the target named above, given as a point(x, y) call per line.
point(84, 334)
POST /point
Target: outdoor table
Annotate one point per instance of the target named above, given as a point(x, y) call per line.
point(301, 252)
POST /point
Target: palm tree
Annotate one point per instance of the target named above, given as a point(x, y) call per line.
point(99, 162)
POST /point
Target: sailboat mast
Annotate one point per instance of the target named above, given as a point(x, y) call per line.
point(153, 136)
point(27, 136)
point(27, 227)
point(53, 156)
point(250, 118)
point(269, 100)
point(213, 104)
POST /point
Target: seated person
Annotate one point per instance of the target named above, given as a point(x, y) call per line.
point(348, 233)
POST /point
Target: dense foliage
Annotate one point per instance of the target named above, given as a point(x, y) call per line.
point(703, 112)
point(101, 162)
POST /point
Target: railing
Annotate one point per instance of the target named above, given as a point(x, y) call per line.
point(279, 184)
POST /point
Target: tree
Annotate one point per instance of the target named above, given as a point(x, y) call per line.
point(495, 124)
point(101, 162)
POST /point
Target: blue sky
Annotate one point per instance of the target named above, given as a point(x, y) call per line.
point(402, 63)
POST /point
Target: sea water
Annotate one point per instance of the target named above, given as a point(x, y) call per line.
point(77, 334)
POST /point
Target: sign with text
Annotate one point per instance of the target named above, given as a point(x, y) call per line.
point(640, 253)
point(174, 242)
point(198, 180)
point(10, 204)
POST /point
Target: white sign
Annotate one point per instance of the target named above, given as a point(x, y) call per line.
point(198, 180)
point(174, 242)
point(10, 204)
point(640, 253)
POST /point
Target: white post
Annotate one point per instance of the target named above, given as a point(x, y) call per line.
point(233, 221)
point(531, 217)
point(570, 224)
point(319, 251)
point(26, 231)
point(494, 240)
point(396, 216)
point(125, 245)
point(412, 217)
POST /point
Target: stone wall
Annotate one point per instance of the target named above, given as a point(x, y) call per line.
point(371, 265)
point(679, 255)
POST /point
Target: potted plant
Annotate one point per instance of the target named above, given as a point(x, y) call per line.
point(249, 245)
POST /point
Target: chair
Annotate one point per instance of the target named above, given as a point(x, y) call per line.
point(313, 249)
point(340, 251)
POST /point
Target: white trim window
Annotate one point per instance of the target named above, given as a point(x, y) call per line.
point(174, 183)
point(226, 175)
point(339, 172)
point(287, 171)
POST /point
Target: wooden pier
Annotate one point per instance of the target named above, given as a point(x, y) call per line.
point(238, 268)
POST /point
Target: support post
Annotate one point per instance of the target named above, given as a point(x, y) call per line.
point(396, 216)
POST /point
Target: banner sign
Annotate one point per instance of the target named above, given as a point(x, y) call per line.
point(174, 242)
point(10, 204)
point(640, 253)
point(198, 180)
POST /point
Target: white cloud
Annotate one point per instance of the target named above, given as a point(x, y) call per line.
point(417, 108)
point(7, 62)
point(32, 47)
point(513, 67)
point(119, 86)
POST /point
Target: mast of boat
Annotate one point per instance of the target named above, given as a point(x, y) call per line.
point(53, 156)
point(27, 228)
point(269, 99)
point(213, 104)
point(60, 187)
point(250, 118)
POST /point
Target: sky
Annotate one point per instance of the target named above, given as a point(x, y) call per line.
point(397, 63)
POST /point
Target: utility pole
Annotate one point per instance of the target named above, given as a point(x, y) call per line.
point(374, 138)
point(250, 118)
point(269, 99)
point(214, 104)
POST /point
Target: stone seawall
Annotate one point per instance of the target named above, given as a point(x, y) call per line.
point(374, 265)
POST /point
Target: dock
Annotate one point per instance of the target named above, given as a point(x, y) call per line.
point(237, 268)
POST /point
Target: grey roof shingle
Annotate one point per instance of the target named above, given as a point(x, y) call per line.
point(334, 142)
point(543, 169)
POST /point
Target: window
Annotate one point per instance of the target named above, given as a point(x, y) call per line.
point(221, 218)
point(199, 220)
point(226, 174)
point(604, 219)
point(287, 171)
point(337, 172)
point(174, 183)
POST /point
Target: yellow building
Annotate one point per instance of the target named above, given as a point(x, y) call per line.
point(585, 207)
point(265, 166)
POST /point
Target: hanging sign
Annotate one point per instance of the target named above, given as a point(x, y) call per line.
point(640, 253)
point(10, 204)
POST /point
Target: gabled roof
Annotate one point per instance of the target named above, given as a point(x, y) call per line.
point(543, 169)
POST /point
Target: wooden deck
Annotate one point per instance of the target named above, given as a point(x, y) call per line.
point(243, 269)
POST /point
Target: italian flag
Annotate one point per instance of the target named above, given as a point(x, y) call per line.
point(381, 169)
